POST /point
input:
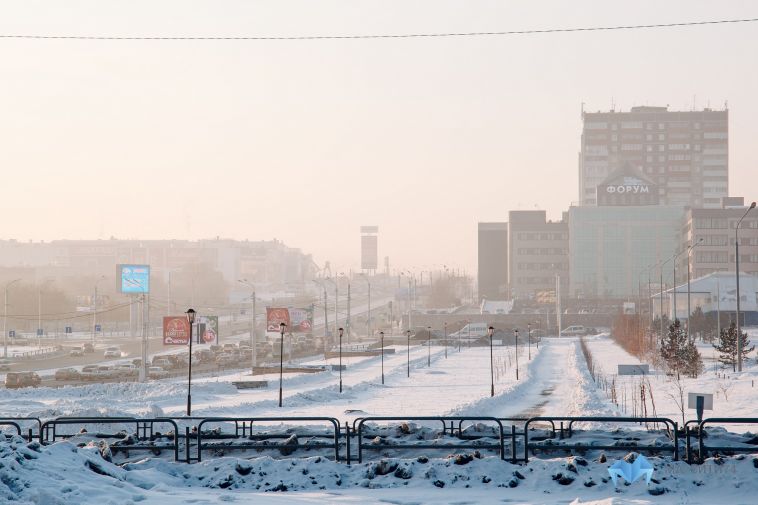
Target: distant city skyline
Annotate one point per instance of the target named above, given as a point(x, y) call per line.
point(305, 141)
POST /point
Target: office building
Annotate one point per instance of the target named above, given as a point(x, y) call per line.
point(493, 261)
point(685, 153)
point(538, 250)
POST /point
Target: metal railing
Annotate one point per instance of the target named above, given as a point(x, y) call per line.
point(673, 433)
point(500, 447)
point(701, 435)
point(245, 425)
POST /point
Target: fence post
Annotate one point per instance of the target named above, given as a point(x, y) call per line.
point(347, 442)
point(187, 444)
point(676, 441)
point(513, 443)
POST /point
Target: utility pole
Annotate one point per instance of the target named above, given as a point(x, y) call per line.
point(347, 321)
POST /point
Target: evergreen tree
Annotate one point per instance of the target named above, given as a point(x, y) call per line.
point(727, 346)
point(679, 353)
point(698, 322)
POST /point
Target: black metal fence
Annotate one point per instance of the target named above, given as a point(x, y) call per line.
point(514, 439)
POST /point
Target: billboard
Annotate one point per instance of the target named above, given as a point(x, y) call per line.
point(369, 252)
point(207, 330)
point(301, 320)
point(275, 316)
point(133, 279)
point(176, 330)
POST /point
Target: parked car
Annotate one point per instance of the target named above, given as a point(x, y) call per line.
point(88, 373)
point(106, 372)
point(67, 374)
point(88, 348)
point(5, 365)
point(112, 352)
point(76, 351)
point(127, 370)
point(162, 362)
point(226, 359)
point(204, 356)
point(156, 372)
point(574, 331)
point(14, 380)
point(262, 348)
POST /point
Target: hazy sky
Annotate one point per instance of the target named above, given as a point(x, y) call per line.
point(307, 140)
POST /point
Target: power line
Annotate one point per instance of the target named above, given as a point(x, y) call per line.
point(381, 36)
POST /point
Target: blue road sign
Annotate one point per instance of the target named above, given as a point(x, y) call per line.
point(68, 329)
point(40, 332)
point(98, 327)
point(12, 333)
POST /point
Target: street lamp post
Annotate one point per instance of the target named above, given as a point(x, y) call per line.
point(445, 325)
point(5, 318)
point(491, 332)
point(253, 343)
point(191, 320)
point(381, 335)
point(428, 346)
point(737, 273)
point(661, 289)
point(689, 256)
point(408, 334)
point(341, 332)
point(529, 338)
point(676, 256)
point(515, 332)
point(282, 326)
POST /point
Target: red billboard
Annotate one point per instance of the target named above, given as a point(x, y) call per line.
point(276, 316)
point(176, 330)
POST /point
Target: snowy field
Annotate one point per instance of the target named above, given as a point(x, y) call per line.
point(555, 381)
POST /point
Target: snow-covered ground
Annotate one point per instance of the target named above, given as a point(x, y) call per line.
point(555, 381)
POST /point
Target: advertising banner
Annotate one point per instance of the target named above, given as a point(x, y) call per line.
point(301, 320)
point(134, 279)
point(176, 330)
point(275, 316)
point(207, 330)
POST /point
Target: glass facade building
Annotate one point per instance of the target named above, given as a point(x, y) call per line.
point(612, 248)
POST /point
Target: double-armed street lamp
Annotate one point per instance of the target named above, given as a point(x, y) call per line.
point(445, 325)
point(381, 335)
point(737, 273)
point(515, 332)
point(5, 318)
point(282, 327)
point(408, 334)
point(341, 332)
point(191, 320)
point(491, 332)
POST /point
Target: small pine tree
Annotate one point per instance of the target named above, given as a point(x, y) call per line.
point(673, 347)
point(692, 360)
point(698, 322)
point(727, 346)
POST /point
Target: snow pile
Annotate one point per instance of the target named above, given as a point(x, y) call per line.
point(64, 473)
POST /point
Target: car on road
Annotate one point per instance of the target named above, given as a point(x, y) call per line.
point(88, 373)
point(88, 348)
point(162, 362)
point(156, 372)
point(127, 370)
point(67, 374)
point(204, 356)
point(76, 351)
point(5, 365)
point(226, 359)
point(14, 380)
point(112, 352)
point(574, 331)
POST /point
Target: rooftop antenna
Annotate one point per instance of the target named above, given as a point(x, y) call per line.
point(613, 104)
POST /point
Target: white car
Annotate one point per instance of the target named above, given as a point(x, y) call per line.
point(574, 331)
point(112, 352)
point(156, 372)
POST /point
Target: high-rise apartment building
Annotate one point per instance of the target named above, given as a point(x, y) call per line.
point(538, 251)
point(493, 261)
point(686, 154)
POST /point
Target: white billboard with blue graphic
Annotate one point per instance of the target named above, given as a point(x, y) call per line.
point(134, 279)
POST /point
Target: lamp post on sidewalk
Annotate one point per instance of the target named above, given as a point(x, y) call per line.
point(491, 332)
point(341, 332)
point(191, 320)
point(529, 338)
point(282, 327)
point(737, 273)
point(252, 324)
point(381, 335)
point(5, 318)
point(515, 332)
point(408, 334)
point(429, 346)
